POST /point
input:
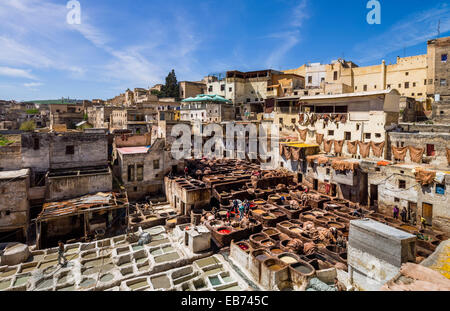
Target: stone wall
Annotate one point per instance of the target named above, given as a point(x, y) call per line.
point(66, 187)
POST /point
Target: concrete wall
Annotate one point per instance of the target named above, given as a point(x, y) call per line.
point(66, 187)
point(14, 205)
point(376, 253)
point(441, 141)
point(90, 150)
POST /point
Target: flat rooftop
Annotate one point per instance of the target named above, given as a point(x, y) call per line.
point(14, 174)
point(381, 229)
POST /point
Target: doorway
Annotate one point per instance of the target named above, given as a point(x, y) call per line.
point(315, 184)
point(374, 196)
point(333, 190)
point(427, 213)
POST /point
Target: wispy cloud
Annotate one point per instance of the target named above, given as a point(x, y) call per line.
point(43, 42)
point(289, 38)
point(16, 73)
point(33, 84)
point(410, 31)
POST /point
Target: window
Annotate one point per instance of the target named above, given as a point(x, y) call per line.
point(440, 189)
point(377, 135)
point(430, 150)
point(396, 200)
point(356, 88)
point(399, 85)
point(425, 82)
point(348, 135)
point(210, 88)
point(358, 127)
point(406, 73)
point(402, 184)
point(281, 120)
point(335, 75)
point(367, 135)
point(156, 164)
point(443, 82)
point(70, 150)
point(36, 143)
point(328, 171)
point(140, 172)
point(230, 89)
point(375, 86)
point(414, 84)
point(130, 172)
point(248, 100)
point(8, 212)
point(330, 133)
point(222, 87)
point(365, 88)
point(406, 85)
point(310, 79)
point(388, 86)
point(293, 121)
point(444, 58)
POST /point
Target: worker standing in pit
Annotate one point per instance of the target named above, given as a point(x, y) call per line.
point(61, 253)
point(241, 211)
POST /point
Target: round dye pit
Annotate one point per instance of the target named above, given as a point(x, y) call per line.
point(288, 259)
point(5, 284)
point(224, 231)
point(137, 285)
point(242, 246)
point(276, 251)
point(46, 283)
point(302, 268)
point(87, 283)
point(161, 282)
point(106, 278)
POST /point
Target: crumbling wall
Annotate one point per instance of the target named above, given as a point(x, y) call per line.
point(89, 150)
point(66, 187)
point(14, 205)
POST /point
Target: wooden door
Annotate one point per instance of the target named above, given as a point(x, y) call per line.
point(427, 212)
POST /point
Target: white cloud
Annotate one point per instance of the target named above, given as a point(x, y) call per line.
point(289, 38)
point(16, 73)
point(33, 84)
point(42, 40)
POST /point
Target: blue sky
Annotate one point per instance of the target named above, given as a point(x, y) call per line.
point(124, 44)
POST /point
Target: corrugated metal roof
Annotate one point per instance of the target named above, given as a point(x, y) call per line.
point(64, 208)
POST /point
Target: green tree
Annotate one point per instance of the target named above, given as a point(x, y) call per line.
point(28, 126)
point(171, 88)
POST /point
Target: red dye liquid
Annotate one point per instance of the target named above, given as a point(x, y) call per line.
point(243, 247)
point(224, 231)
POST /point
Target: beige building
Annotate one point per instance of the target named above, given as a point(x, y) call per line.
point(191, 89)
point(438, 64)
point(347, 117)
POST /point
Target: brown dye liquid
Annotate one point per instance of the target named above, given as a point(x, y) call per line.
point(275, 267)
point(161, 282)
